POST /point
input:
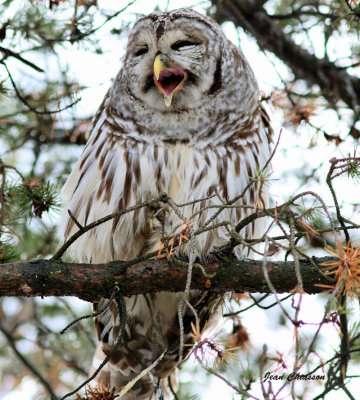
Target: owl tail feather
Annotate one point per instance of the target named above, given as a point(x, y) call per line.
point(134, 386)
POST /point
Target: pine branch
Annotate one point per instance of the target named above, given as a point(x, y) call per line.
point(91, 281)
point(335, 83)
point(10, 53)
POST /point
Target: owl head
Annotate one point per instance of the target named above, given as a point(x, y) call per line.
point(174, 60)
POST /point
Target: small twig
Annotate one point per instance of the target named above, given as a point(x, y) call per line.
point(10, 53)
point(192, 310)
point(114, 349)
point(262, 362)
point(7, 166)
point(100, 221)
point(270, 285)
point(349, 395)
point(213, 372)
point(295, 255)
point(257, 303)
point(27, 363)
point(23, 100)
point(144, 372)
point(333, 194)
point(77, 223)
point(344, 345)
point(297, 341)
point(2, 195)
point(94, 314)
point(75, 38)
point(181, 308)
point(316, 335)
point(324, 207)
point(247, 187)
point(338, 355)
point(81, 328)
point(297, 235)
point(172, 389)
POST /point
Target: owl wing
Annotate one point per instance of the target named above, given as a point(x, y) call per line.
point(114, 171)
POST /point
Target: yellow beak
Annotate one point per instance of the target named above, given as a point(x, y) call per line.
point(158, 67)
point(179, 75)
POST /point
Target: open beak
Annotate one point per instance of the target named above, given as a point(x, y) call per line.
point(168, 80)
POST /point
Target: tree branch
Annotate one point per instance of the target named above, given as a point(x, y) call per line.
point(335, 83)
point(10, 53)
point(91, 281)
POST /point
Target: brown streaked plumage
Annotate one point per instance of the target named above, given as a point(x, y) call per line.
point(202, 136)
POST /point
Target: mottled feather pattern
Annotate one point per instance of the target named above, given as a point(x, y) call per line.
point(210, 141)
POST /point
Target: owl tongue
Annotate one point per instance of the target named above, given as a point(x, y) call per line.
point(170, 80)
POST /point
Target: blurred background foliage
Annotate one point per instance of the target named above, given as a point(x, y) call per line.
point(57, 59)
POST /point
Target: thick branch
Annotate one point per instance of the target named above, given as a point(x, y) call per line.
point(90, 281)
point(335, 83)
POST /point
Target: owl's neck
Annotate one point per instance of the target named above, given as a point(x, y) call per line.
point(212, 122)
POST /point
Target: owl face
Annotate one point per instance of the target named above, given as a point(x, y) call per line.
point(173, 60)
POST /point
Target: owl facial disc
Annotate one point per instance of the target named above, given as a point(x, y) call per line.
point(168, 80)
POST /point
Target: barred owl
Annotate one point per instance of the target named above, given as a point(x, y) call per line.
point(182, 117)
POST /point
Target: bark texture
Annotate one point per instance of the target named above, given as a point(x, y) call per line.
point(90, 281)
point(335, 83)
